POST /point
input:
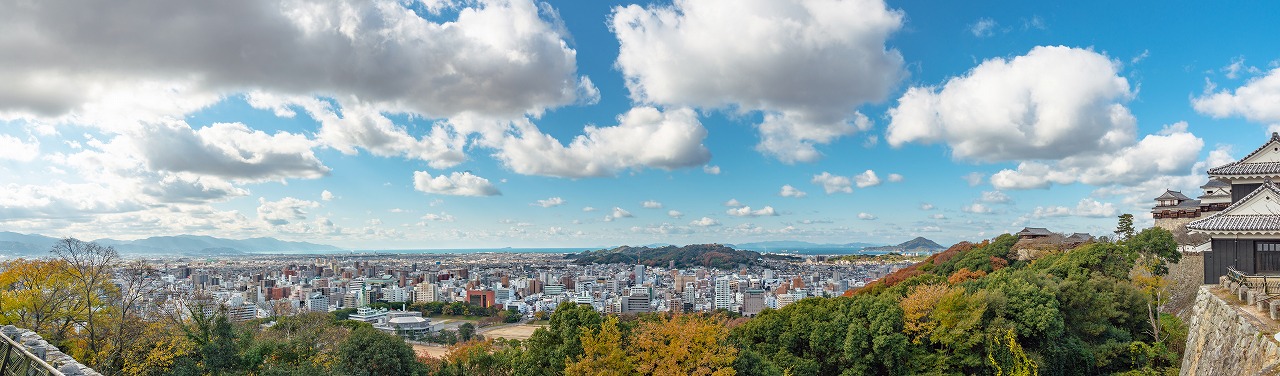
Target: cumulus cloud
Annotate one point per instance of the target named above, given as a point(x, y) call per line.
point(866, 179)
point(746, 211)
point(1087, 207)
point(13, 148)
point(833, 183)
point(675, 214)
point(1255, 100)
point(789, 191)
point(645, 137)
point(744, 56)
point(550, 202)
point(976, 208)
point(712, 170)
point(326, 195)
point(1171, 151)
point(227, 150)
point(442, 217)
point(895, 178)
point(455, 184)
point(1051, 103)
point(926, 206)
point(588, 209)
point(938, 216)
point(974, 178)
point(704, 222)
point(651, 204)
point(995, 197)
point(866, 216)
point(284, 211)
point(733, 203)
point(503, 57)
point(619, 213)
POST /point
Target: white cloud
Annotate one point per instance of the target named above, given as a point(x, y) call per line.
point(675, 214)
point(833, 183)
point(1255, 100)
point(1094, 209)
point(620, 213)
point(895, 178)
point(926, 206)
point(789, 191)
point(326, 195)
point(1053, 102)
point(645, 138)
point(733, 203)
point(746, 211)
point(995, 197)
point(938, 216)
point(456, 184)
point(442, 217)
point(550, 202)
point(15, 149)
point(976, 208)
point(651, 204)
point(1172, 151)
point(588, 209)
point(226, 150)
point(985, 27)
point(1087, 207)
point(499, 57)
point(866, 216)
point(866, 179)
point(284, 211)
point(712, 170)
point(705, 222)
point(743, 55)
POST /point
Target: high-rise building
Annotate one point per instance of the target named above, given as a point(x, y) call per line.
point(482, 298)
point(724, 295)
point(752, 302)
point(639, 270)
point(425, 292)
point(636, 303)
point(318, 303)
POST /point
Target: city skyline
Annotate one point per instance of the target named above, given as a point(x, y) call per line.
point(511, 123)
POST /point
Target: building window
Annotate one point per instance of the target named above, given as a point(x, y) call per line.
point(1267, 246)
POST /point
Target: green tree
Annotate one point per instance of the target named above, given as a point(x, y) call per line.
point(1124, 229)
point(370, 352)
point(548, 349)
point(466, 331)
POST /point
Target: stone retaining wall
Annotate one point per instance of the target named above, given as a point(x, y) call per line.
point(36, 345)
point(1226, 337)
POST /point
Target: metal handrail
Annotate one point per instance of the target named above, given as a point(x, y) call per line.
point(15, 360)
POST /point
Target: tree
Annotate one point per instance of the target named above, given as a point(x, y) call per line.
point(91, 266)
point(466, 331)
point(683, 345)
point(39, 295)
point(602, 353)
point(1124, 229)
point(370, 352)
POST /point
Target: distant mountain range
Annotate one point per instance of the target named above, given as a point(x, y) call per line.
point(796, 246)
point(919, 244)
point(194, 245)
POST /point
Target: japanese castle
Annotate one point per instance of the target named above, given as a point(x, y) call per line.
point(1239, 211)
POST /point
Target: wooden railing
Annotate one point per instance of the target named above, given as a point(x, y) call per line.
point(15, 360)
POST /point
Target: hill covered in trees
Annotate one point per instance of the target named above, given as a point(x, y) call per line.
point(918, 245)
point(706, 255)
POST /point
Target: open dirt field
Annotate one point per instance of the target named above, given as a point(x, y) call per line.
point(432, 351)
point(518, 331)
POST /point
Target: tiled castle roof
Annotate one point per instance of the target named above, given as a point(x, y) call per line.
point(1225, 221)
point(1241, 168)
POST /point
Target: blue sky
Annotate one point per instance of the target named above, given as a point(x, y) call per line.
point(441, 124)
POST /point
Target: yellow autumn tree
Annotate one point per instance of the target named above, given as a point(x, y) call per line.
point(38, 295)
point(917, 306)
point(602, 353)
point(156, 351)
point(683, 345)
